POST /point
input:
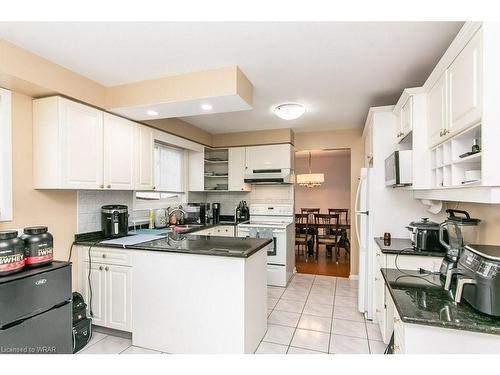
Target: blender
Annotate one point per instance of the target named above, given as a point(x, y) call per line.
point(460, 230)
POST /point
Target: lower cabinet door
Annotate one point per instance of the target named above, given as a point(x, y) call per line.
point(118, 297)
point(94, 293)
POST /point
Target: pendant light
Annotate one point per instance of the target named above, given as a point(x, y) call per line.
point(310, 180)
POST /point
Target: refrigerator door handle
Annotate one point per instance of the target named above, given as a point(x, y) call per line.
point(357, 230)
point(358, 192)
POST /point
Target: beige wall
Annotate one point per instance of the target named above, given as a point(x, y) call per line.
point(339, 139)
point(259, 137)
point(182, 129)
point(335, 192)
point(55, 209)
point(489, 230)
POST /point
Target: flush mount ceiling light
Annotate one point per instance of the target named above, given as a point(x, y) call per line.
point(206, 107)
point(151, 112)
point(290, 111)
point(310, 180)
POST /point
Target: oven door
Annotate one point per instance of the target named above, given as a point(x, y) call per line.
point(276, 251)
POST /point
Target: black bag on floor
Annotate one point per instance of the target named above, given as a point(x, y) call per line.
point(82, 333)
point(82, 326)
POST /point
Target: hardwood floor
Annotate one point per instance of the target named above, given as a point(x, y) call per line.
point(325, 265)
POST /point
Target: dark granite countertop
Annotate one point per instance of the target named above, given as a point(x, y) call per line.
point(421, 299)
point(405, 247)
point(185, 242)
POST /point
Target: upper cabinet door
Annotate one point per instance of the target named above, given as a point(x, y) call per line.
point(82, 145)
point(436, 111)
point(236, 169)
point(145, 158)
point(465, 85)
point(269, 157)
point(406, 123)
point(118, 153)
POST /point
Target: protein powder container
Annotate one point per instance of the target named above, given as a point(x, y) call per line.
point(38, 246)
point(11, 252)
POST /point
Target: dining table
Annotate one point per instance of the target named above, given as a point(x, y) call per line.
point(344, 238)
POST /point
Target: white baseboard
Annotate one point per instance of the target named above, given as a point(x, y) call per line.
point(353, 277)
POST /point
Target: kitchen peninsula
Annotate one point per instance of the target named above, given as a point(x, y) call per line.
point(179, 293)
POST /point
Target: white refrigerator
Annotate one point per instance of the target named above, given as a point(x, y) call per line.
point(364, 234)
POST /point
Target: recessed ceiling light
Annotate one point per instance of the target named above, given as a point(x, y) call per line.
point(151, 112)
point(206, 107)
point(289, 111)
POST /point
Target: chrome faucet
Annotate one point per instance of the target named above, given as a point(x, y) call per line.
point(178, 209)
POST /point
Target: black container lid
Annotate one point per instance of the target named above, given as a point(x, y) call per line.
point(35, 230)
point(8, 234)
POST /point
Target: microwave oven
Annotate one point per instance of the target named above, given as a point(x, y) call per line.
point(398, 169)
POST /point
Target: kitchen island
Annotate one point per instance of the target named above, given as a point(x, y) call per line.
point(183, 293)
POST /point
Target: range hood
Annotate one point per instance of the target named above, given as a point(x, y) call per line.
point(269, 176)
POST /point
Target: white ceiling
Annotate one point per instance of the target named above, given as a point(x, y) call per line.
point(337, 69)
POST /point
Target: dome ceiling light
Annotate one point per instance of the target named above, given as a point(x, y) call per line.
point(290, 111)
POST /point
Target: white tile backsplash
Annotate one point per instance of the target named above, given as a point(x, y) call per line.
point(258, 194)
point(89, 207)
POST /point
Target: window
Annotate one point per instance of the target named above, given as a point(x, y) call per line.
point(5, 156)
point(169, 168)
point(170, 172)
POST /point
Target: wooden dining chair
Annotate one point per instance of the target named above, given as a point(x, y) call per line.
point(343, 219)
point(303, 235)
point(328, 232)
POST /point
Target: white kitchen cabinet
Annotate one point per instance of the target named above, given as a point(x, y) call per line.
point(67, 145)
point(98, 285)
point(269, 157)
point(6, 152)
point(111, 286)
point(405, 119)
point(119, 157)
point(145, 158)
point(219, 230)
point(236, 169)
point(437, 111)
point(196, 170)
point(465, 87)
point(118, 297)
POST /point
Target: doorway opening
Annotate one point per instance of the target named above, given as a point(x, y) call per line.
point(322, 213)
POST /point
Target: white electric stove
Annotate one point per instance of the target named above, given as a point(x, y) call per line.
point(274, 221)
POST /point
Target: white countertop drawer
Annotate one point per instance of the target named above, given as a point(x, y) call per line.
point(106, 255)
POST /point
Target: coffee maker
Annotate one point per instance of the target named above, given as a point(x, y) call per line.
point(460, 230)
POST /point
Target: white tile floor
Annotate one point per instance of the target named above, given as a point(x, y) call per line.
point(318, 315)
point(313, 315)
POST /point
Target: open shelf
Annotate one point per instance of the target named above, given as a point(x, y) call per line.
point(216, 169)
point(449, 169)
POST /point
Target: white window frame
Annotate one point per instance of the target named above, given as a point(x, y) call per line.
point(162, 199)
point(5, 155)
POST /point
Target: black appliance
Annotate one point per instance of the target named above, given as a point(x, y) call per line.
point(215, 213)
point(11, 253)
point(478, 278)
point(82, 325)
point(242, 212)
point(425, 235)
point(38, 246)
point(114, 220)
point(36, 310)
point(203, 213)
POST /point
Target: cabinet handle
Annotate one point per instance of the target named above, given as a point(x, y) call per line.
point(101, 186)
point(377, 254)
point(109, 186)
point(104, 255)
point(154, 187)
point(100, 268)
point(446, 131)
point(107, 269)
point(377, 279)
point(396, 320)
